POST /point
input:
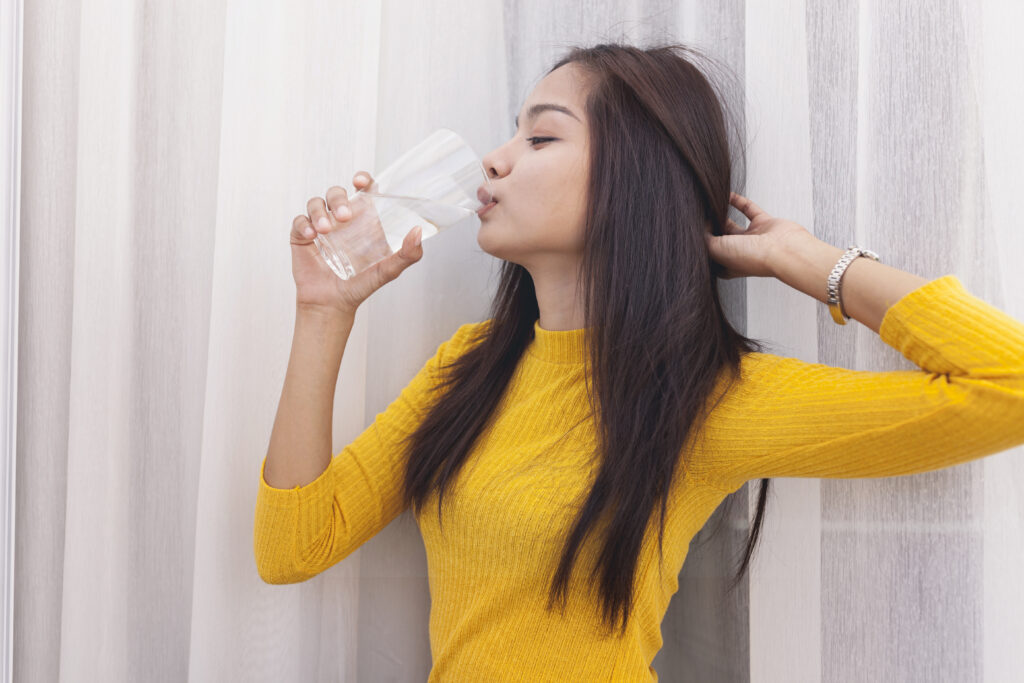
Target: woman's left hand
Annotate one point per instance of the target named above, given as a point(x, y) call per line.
point(751, 252)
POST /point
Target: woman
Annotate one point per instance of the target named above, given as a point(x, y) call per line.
point(607, 402)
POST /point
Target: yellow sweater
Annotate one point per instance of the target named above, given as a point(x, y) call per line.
point(489, 574)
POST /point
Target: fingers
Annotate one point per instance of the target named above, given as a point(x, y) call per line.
point(324, 216)
point(337, 203)
point(747, 207)
point(317, 211)
point(302, 229)
point(732, 228)
point(362, 180)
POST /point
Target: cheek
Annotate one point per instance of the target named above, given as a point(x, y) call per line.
point(545, 212)
point(539, 227)
point(567, 211)
point(564, 224)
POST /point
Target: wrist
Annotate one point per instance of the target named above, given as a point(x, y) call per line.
point(804, 263)
point(324, 312)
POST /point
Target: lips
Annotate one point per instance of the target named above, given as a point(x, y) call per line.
point(484, 196)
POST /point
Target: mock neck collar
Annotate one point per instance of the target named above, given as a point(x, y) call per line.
point(557, 346)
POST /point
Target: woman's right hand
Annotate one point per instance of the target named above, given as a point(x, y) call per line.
point(317, 286)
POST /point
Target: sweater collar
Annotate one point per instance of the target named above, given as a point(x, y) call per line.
point(557, 346)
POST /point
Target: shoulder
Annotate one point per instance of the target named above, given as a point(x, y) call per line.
point(470, 330)
point(465, 337)
point(757, 372)
point(769, 378)
point(469, 333)
point(753, 365)
point(760, 369)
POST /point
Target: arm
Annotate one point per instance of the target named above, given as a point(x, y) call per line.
point(868, 287)
point(300, 442)
point(301, 531)
point(789, 418)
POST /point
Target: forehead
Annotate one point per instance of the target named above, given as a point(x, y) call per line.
point(565, 81)
point(564, 86)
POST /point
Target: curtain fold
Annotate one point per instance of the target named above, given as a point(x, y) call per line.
point(167, 148)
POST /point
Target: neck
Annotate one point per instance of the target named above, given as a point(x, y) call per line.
point(557, 298)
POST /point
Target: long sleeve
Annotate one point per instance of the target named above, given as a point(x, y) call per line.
point(798, 419)
point(302, 531)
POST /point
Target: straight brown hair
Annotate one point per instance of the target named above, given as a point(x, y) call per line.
point(657, 338)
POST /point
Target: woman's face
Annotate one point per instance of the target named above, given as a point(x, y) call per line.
point(541, 184)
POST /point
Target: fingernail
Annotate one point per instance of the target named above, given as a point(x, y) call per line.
point(343, 212)
point(308, 232)
point(361, 177)
point(419, 235)
point(324, 223)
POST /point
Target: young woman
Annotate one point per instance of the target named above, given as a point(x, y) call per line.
point(560, 455)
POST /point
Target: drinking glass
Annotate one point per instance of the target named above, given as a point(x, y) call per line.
point(436, 184)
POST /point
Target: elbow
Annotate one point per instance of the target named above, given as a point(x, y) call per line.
point(284, 554)
point(275, 565)
point(993, 412)
point(279, 574)
point(284, 568)
point(271, 577)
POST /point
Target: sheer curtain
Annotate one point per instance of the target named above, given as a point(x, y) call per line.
point(165, 152)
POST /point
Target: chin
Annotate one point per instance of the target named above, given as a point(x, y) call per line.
point(485, 238)
point(489, 240)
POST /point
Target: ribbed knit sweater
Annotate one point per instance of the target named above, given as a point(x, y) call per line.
point(506, 520)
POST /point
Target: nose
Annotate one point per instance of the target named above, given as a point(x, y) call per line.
point(494, 166)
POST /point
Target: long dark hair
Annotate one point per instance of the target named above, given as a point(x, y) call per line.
point(658, 337)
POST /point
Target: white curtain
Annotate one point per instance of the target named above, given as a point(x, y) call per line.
point(166, 149)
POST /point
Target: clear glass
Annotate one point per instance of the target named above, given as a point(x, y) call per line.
point(437, 184)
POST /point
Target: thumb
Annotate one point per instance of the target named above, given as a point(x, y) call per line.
point(410, 252)
point(412, 247)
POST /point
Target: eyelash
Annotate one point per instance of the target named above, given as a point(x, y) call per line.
point(531, 140)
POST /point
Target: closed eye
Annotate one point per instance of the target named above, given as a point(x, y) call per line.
point(537, 141)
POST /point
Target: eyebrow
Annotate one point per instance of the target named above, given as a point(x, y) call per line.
point(546, 106)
